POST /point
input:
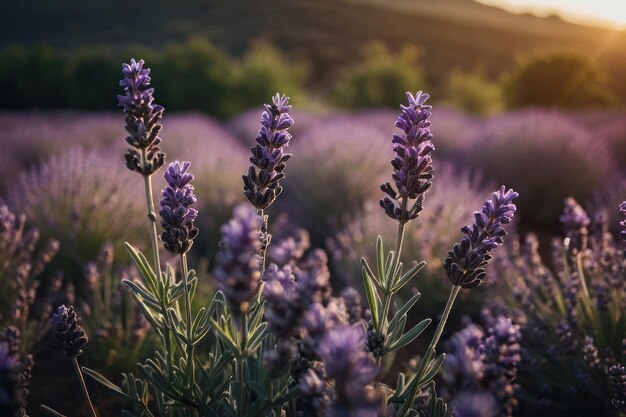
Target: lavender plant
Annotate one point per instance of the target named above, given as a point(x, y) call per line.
point(275, 340)
point(571, 315)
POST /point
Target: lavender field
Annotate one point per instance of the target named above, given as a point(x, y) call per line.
point(342, 208)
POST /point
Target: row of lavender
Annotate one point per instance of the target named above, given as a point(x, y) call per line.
point(329, 372)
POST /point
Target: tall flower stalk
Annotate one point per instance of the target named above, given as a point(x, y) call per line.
point(143, 118)
point(465, 266)
point(71, 339)
point(177, 219)
point(261, 185)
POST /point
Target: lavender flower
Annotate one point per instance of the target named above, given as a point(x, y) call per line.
point(69, 334)
point(238, 263)
point(622, 233)
point(617, 374)
point(412, 165)
point(10, 390)
point(142, 119)
point(465, 264)
point(575, 224)
point(283, 310)
point(343, 353)
point(262, 187)
point(475, 405)
point(177, 216)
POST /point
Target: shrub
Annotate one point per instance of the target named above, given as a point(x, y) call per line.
point(473, 92)
point(80, 199)
point(557, 79)
point(379, 79)
point(546, 157)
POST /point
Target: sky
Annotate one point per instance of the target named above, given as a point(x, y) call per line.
point(611, 13)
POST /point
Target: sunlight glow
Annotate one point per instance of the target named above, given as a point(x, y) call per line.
point(607, 13)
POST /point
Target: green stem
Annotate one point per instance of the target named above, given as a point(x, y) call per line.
point(241, 363)
point(431, 350)
point(190, 344)
point(266, 244)
point(154, 240)
point(388, 296)
point(84, 386)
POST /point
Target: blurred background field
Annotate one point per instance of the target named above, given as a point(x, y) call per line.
point(537, 103)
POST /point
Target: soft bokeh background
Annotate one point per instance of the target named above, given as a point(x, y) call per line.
point(531, 97)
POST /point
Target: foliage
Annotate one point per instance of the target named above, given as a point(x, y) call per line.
point(379, 78)
point(545, 156)
point(571, 311)
point(557, 79)
point(473, 92)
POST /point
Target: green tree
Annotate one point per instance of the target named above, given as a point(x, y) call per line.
point(557, 79)
point(473, 93)
point(380, 79)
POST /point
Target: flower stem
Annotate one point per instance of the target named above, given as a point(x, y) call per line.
point(190, 344)
point(431, 350)
point(265, 244)
point(241, 408)
point(83, 386)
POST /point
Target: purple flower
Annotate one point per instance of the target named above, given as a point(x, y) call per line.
point(177, 216)
point(575, 222)
point(412, 165)
point(622, 233)
point(343, 353)
point(142, 119)
point(261, 185)
point(238, 271)
point(465, 264)
point(69, 334)
point(10, 389)
point(283, 310)
point(617, 374)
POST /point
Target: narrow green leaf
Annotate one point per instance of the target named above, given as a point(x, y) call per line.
point(406, 278)
point(51, 411)
point(411, 335)
point(380, 258)
point(257, 337)
point(375, 279)
point(146, 272)
point(108, 384)
point(405, 308)
point(371, 298)
point(138, 290)
point(432, 369)
point(224, 337)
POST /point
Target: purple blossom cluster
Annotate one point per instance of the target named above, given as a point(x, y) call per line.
point(143, 118)
point(177, 215)
point(465, 264)
point(262, 183)
point(575, 224)
point(70, 335)
point(484, 363)
point(412, 165)
point(238, 270)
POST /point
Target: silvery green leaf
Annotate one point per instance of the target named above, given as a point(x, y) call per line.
point(411, 335)
point(51, 411)
point(143, 266)
point(432, 369)
point(371, 297)
point(142, 293)
point(380, 259)
point(102, 380)
point(224, 336)
point(406, 278)
point(405, 309)
point(257, 337)
point(371, 274)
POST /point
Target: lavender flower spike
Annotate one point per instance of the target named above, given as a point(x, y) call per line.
point(261, 185)
point(142, 119)
point(465, 264)
point(177, 216)
point(412, 165)
point(69, 334)
point(238, 271)
point(622, 233)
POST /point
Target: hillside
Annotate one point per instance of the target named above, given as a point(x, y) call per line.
point(326, 33)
